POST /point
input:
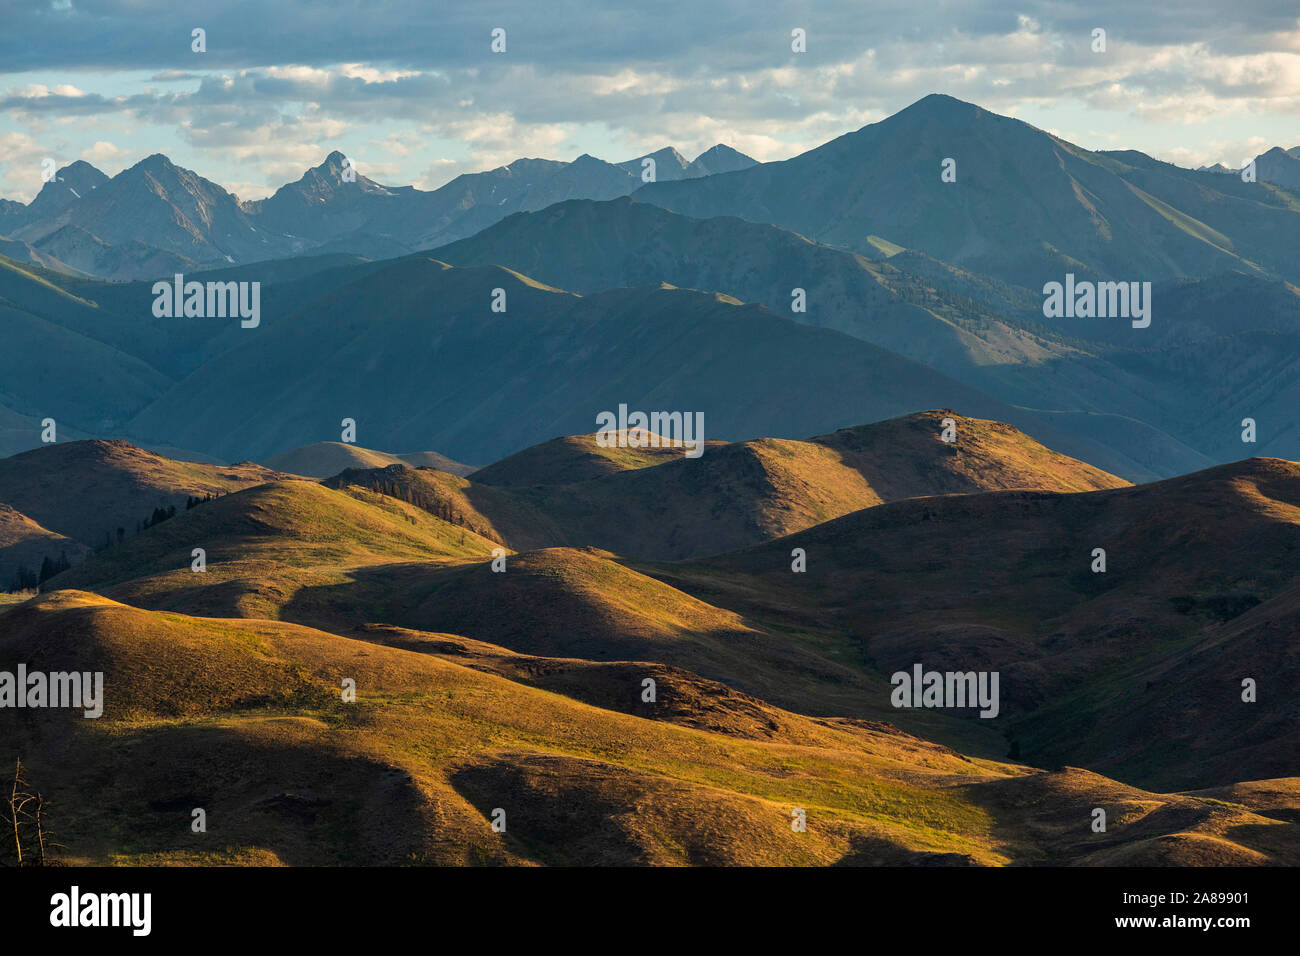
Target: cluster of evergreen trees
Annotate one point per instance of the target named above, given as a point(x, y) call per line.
point(25, 578)
point(159, 516)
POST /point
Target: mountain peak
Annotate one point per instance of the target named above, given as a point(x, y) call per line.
point(154, 161)
point(80, 167)
point(941, 105)
point(669, 163)
point(318, 184)
point(719, 149)
point(81, 175)
point(667, 152)
point(156, 165)
point(1279, 166)
point(721, 158)
point(331, 168)
point(70, 183)
point(586, 159)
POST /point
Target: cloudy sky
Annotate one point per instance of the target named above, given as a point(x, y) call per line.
point(411, 90)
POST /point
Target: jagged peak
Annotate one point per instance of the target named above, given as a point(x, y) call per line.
point(155, 161)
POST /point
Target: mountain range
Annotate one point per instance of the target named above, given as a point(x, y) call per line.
point(920, 293)
point(1054, 205)
point(155, 217)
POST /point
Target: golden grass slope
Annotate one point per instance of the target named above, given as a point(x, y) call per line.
point(907, 458)
point(523, 690)
point(499, 514)
point(658, 505)
point(264, 543)
point(345, 559)
point(245, 720)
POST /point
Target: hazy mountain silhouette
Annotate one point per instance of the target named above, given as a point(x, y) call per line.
point(1026, 206)
point(640, 347)
point(1141, 391)
point(155, 218)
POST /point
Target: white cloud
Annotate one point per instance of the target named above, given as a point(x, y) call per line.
point(398, 84)
point(101, 151)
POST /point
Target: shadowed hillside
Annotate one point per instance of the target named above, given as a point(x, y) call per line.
point(88, 489)
point(327, 458)
point(571, 458)
point(401, 321)
point(25, 546)
point(1142, 397)
point(1004, 581)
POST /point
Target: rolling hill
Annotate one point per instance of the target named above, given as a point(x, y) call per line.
point(735, 494)
point(87, 489)
point(1167, 704)
point(278, 527)
point(245, 721)
point(376, 576)
point(571, 458)
point(327, 458)
point(1004, 581)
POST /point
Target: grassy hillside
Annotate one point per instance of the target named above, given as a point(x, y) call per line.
point(523, 689)
point(245, 720)
point(734, 495)
point(1184, 719)
point(1003, 581)
point(270, 537)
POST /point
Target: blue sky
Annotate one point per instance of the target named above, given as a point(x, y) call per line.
point(411, 90)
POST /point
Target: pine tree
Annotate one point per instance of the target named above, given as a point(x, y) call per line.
point(24, 579)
